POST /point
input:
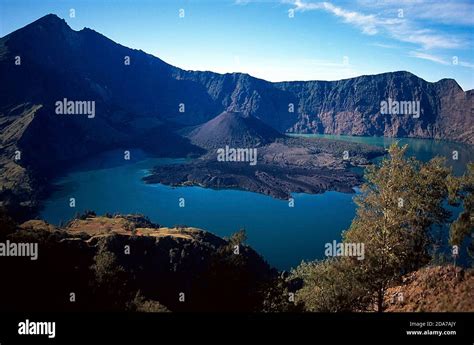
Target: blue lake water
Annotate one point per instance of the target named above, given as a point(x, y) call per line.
point(422, 149)
point(283, 235)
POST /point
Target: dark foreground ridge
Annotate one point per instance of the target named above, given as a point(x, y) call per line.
point(127, 263)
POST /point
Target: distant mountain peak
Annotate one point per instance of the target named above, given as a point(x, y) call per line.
point(51, 20)
point(232, 113)
point(50, 17)
point(233, 128)
point(48, 24)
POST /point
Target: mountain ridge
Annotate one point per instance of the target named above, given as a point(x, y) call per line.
point(326, 107)
point(51, 17)
point(145, 103)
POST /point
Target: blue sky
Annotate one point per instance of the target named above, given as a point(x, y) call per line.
point(282, 39)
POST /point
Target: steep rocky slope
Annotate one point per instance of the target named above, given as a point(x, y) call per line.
point(347, 107)
point(433, 289)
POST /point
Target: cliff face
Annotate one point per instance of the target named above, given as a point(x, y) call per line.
point(348, 107)
point(353, 107)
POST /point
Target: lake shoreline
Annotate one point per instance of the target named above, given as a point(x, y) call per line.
point(286, 166)
point(284, 235)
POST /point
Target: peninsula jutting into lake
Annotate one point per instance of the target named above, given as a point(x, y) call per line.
point(283, 165)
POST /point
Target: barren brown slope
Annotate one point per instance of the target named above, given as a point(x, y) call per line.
point(434, 289)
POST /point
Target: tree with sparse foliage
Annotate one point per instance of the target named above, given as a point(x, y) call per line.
point(462, 191)
point(399, 203)
point(238, 238)
point(109, 278)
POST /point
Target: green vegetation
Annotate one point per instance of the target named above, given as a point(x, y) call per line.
point(331, 285)
point(400, 201)
point(462, 192)
point(238, 238)
point(118, 270)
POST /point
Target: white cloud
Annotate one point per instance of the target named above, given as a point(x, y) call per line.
point(401, 29)
point(368, 23)
point(458, 12)
point(383, 45)
point(439, 59)
point(425, 38)
point(429, 57)
point(466, 64)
